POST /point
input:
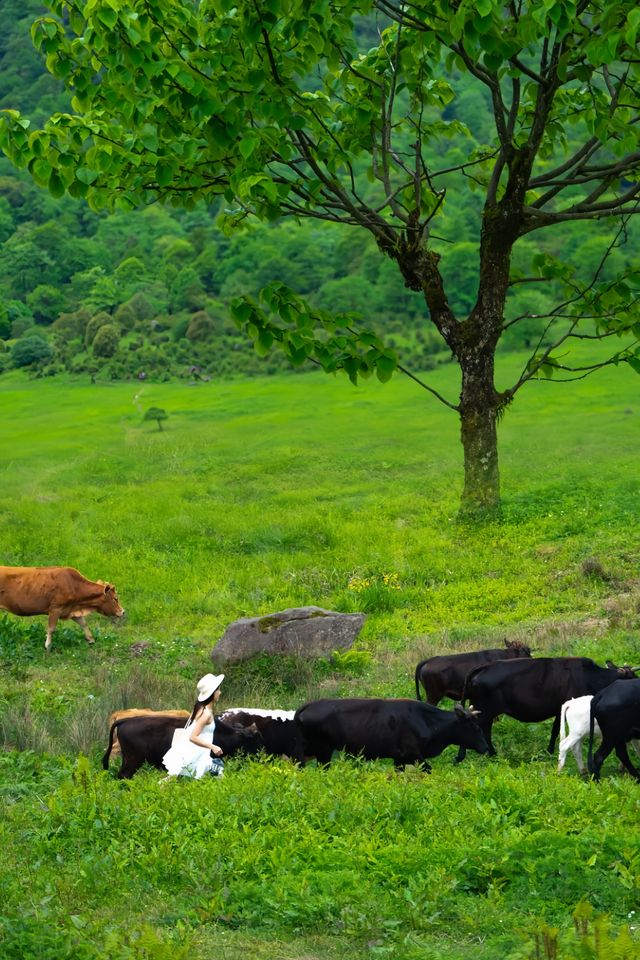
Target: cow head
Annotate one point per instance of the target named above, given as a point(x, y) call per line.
point(109, 604)
point(625, 672)
point(518, 648)
point(469, 732)
point(234, 738)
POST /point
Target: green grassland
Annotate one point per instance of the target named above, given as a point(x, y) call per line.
point(277, 492)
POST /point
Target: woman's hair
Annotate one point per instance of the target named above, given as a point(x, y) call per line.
point(199, 706)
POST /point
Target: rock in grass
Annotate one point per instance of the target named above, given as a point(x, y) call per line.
point(302, 631)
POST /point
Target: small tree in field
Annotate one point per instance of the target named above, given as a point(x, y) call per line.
point(157, 414)
point(271, 105)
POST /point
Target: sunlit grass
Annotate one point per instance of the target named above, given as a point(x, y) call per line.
point(266, 494)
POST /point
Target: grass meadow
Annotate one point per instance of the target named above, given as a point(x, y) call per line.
point(277, 492)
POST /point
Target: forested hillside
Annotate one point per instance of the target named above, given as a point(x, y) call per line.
point(145, 293)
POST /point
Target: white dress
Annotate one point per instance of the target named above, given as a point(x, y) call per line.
point(187, 759)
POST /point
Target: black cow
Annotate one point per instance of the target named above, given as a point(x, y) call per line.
point(147, 739)
point(402, 730)
point(534, 690)
point(444, 676)
point(616, 710)
point(278, 735)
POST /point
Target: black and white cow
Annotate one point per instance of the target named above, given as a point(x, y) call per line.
point(276, 727)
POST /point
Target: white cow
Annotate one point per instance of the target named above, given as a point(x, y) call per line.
point(577, 713)
point(274, 714)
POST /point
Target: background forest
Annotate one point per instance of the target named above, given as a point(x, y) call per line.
point(146, 293)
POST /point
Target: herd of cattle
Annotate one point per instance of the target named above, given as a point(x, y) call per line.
point(573, 690)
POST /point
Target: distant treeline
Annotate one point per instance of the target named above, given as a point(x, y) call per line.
point(146, 293)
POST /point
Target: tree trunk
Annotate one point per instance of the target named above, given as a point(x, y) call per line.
point(479, 406)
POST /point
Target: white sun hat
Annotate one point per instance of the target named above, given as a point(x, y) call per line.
point(208, 685)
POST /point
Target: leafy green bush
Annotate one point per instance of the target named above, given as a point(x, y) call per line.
point(106, 341)
point(29, 350)
point(97, 321)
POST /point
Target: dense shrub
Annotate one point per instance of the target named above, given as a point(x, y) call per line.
point(30, 350)
point(94, 324)
point(140, 306)
point(125, 316)
point(200, 326)
point(105, 343)
point(72, 324)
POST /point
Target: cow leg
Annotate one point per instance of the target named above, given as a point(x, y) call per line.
point(574, 744)
point(577, 752)
point(599, 757)
point(130, 765)
point(486, 729)
point(85, 629)
point(623, 757)
point(323, 757)
point(563, 749)
point(555, 730)
point(51, 625)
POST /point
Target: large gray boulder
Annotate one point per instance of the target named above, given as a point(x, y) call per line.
point(303, 631)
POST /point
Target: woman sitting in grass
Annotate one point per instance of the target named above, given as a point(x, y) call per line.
point(193, 752)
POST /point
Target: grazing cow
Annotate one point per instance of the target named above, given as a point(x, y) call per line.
point(575, 715)
point(139, 712)
point(534, 690)
point(444, 676)
point(147, 739)
point(402, 730)
point(616, 710)
point(276, 727)
point(60, 592)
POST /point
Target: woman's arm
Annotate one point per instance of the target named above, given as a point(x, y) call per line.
point(205, 717)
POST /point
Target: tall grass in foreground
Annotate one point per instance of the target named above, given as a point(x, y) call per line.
point(457, 864)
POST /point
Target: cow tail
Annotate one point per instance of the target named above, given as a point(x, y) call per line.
point(105, 759)
point(563, 719)
point(418, 669)
point(591, 732)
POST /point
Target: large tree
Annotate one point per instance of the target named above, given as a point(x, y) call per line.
point(335, 109)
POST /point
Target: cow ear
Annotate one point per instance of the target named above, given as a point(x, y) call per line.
point(108, 587)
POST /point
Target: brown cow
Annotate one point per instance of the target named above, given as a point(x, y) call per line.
point(139, 712)
point(60, 592)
